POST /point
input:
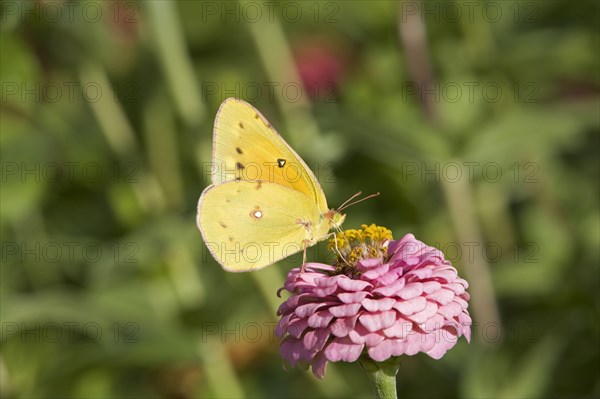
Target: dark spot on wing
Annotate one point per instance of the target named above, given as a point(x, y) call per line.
point(231, 239)
point(256, 116)
point(259, 185)
point(223, 225)
point(241, 125)
point(239, 150)
point(238, 179)
point(239, 165)
point(281, 162)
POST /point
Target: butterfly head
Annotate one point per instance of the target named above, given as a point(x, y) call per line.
point(334, 217)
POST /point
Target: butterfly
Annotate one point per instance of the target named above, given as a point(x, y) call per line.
point(264, 203)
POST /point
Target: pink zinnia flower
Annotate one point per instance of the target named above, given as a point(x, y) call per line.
point(382, 299)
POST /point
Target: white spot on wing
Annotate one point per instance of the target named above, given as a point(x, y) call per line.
point(257, 214)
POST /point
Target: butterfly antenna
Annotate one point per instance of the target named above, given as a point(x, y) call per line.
point(348, 204)
point(348, 200)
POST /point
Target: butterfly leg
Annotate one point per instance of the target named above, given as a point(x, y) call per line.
point(337, 250)
point(302, 269)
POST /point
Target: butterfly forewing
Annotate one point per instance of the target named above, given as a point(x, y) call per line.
point(247, 148)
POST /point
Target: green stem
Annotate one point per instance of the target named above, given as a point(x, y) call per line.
point(382, 375)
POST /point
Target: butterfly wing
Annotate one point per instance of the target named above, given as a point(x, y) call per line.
point(249, 225)
point(247, 147)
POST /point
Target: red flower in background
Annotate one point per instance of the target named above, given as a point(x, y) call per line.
point(321, 65)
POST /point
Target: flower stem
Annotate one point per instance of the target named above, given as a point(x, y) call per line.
point(382, 375)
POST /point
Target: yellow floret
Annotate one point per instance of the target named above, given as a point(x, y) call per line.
point(352, 245)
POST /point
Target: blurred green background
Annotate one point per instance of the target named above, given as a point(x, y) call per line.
point(477, 121)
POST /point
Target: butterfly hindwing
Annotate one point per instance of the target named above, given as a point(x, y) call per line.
point(250, 225)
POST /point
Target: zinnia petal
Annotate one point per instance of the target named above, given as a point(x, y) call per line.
point(378, 321)
point(343, 349)
point(348, 284)
point(400, 329)
point(342, 326)
point(392, 289)
point(345, 310)
point(420, 317)
point(411, 290)
point(377, 305)
point(352, 297)
point(315, 340)
point(361, 335)
point(442, 296)
point(320, 319)
point(308, 309)
point(387, 349)
point(411, 306)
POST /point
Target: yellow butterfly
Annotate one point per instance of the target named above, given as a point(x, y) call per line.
point(264, 203)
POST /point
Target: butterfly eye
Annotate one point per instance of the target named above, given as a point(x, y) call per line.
point(281, 162)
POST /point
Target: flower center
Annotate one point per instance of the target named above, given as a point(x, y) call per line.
point(352, 246)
